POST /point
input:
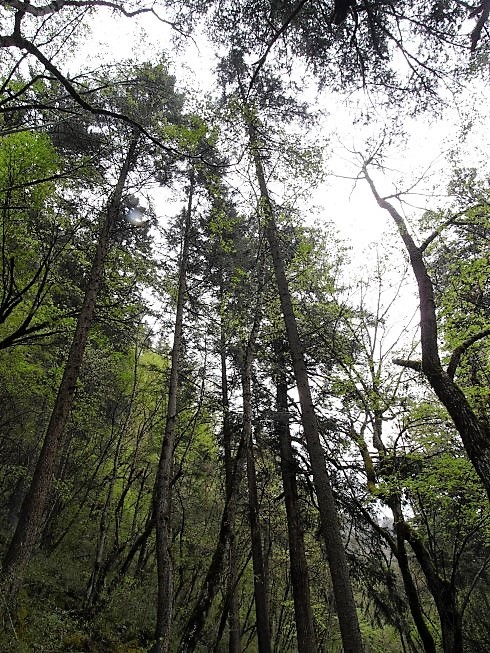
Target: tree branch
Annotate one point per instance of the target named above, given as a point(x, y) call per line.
point(410, 364)
point(18, 41)
point(57, 5)
point(437, 232)
point(260, 63)
point(484, 10)
point(463, 347)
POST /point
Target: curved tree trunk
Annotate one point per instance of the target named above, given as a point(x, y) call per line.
point(24, 539)
point(474, 433)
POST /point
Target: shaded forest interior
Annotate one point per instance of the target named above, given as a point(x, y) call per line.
point(212, 439)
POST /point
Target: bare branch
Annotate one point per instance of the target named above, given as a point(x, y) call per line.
point(398, 219)
point(260, 63)
point(57, 5)
point(410, 364)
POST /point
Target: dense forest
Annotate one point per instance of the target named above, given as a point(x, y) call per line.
point(216, 433)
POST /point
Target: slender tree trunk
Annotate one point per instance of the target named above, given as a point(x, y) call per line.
point(233, 470)
point(260, 582)
point(344, 597)
point(474, 433)
point(444, 594)
point(162, 503)
point(196, 621)
point(408, 582)
point(299, 569)
point(260, 586)
point(101, 568)
point(24, 539)
point(97, 578)
point(234, 644)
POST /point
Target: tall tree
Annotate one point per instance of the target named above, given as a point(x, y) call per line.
point(344, 597)
point(24, 538)
point(162, 493)
point(23, 541)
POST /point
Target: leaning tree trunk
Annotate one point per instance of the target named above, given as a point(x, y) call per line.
point(474, 432)
point(161, 500)
point(330, 526)
point(33, 507)
point(305, 629)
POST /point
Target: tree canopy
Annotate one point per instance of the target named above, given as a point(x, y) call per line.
point(221, 428)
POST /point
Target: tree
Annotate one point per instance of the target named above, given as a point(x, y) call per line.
point(344, 597)
point(474, 432)
point(24, 538)
point(404, 441)
point(162, 501)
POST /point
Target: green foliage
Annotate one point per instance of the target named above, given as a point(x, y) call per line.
point(95, 528)
point(460, 266)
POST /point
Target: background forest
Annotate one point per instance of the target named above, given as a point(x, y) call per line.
point(218, 431)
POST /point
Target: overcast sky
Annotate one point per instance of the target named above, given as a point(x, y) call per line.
point(347, 203)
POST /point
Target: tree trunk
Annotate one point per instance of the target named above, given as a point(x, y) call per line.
point(97, 577)
point(232, 487)
point(299, 569)
point(162, 504)
point(233, 476)
point(260, 586)
point(444, 594)
point(408, 582)
point(474, 433)
point(23, 541)
point(195, 623)
point(330, 526)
